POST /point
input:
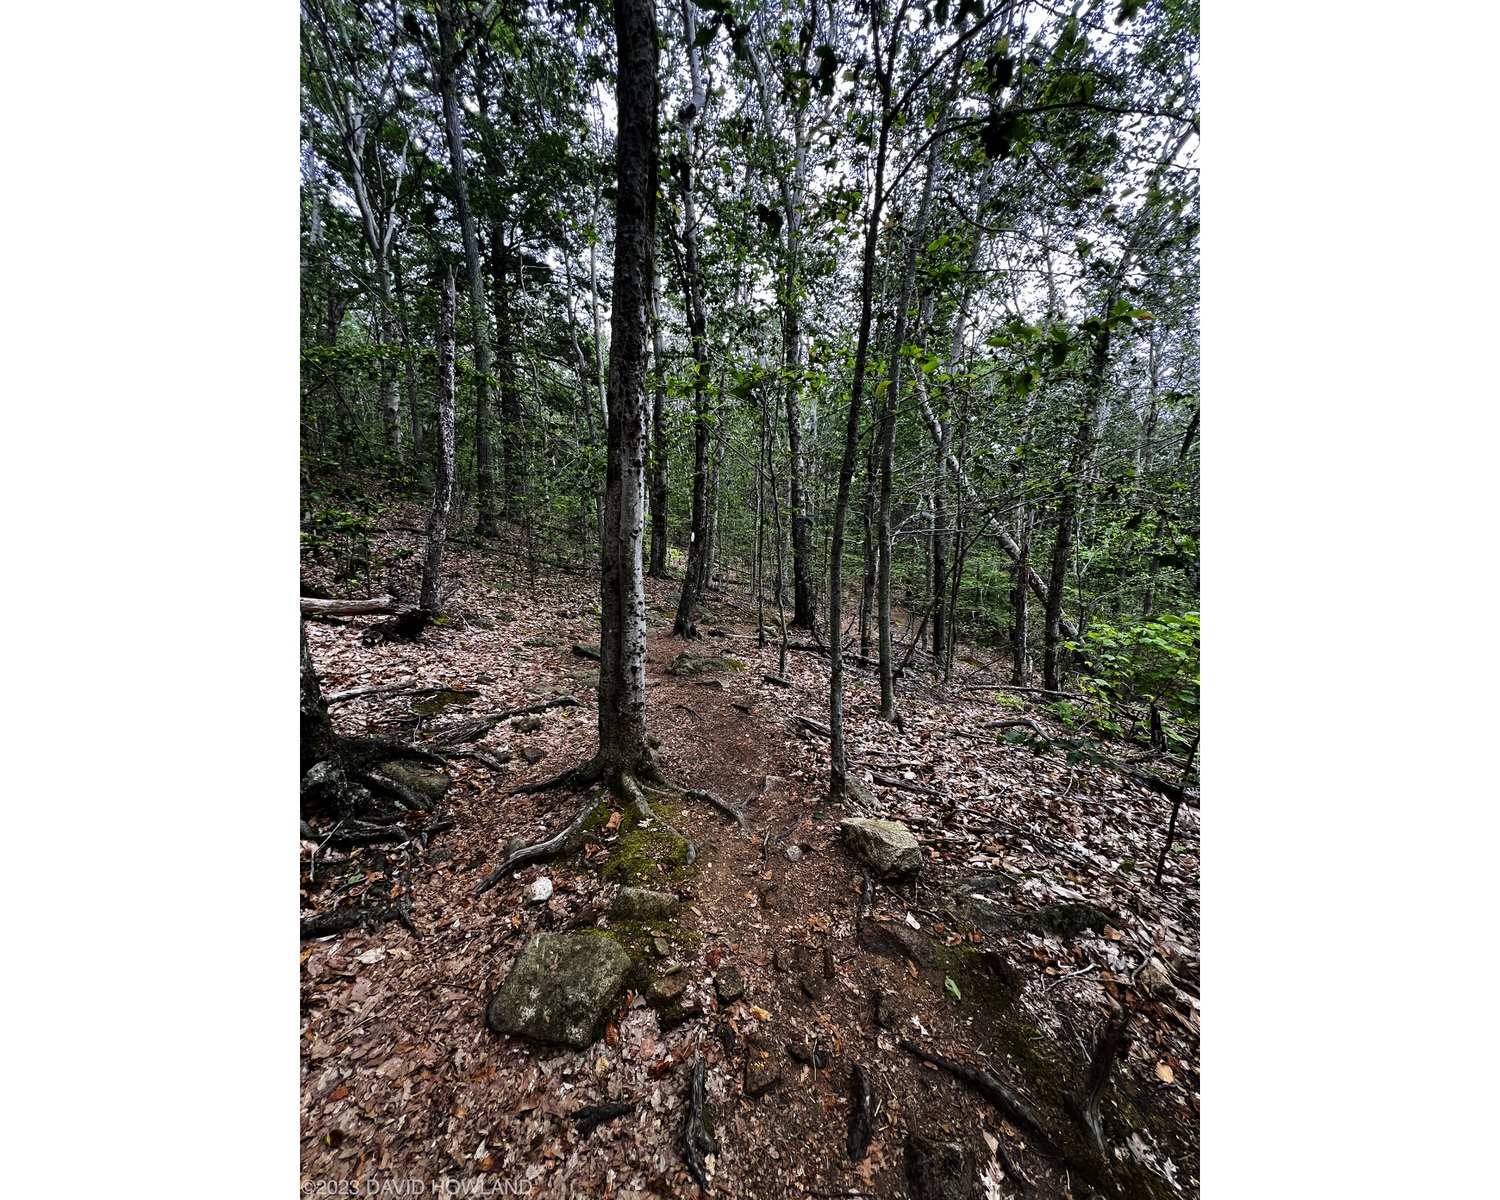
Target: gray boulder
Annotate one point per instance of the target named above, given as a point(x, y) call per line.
point(886, 847)
point(560, 989)
point(642, 904)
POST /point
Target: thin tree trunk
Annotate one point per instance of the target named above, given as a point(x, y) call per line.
point(478, 312)
point(622, 641)
point(695, 577)
point(887, 444)
point(443, 466)
point(514, 484)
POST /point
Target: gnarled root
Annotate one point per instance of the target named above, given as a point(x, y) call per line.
point(697, 1141)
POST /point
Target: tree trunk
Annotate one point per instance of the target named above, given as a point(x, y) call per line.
point(660, 493)
point(887, 443)
point(695, 577)
point(512, 458)
point(622, 640)
point(442, 475)
point(448, 86)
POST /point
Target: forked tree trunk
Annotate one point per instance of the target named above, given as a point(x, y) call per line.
point(442, 474)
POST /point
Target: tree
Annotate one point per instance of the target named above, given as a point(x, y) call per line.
point(442, 476)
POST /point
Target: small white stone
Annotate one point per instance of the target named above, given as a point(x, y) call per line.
point(540, 890)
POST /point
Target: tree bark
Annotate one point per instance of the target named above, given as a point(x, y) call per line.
point(659, 489)
point(443, 464)
point(622, 641)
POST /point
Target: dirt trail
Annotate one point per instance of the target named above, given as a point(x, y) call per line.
point(401, 1078)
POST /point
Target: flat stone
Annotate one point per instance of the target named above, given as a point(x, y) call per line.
point(528, 724)
point(898, 942)
point(939, 1170)
point(561, 988)
point(585, 651)
point(642, 904)
point(729, 984)
point(886, 847)
point(533, 754)
point(762, 1072)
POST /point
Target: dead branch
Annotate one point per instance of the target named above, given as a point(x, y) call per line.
point(1018, 723)
point(374, 689)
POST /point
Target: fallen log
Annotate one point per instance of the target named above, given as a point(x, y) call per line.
point(313, 607)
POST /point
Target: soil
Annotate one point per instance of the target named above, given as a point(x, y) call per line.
point(402, 1080)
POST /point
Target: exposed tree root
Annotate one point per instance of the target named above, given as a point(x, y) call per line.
point(633, 786)
point(347, 918)
point(861, 1114)
point(590, 1117)
point(722, 805)
point(697, 1141)
point(996, 1092)
point(1096, 1075)
point(537, 850)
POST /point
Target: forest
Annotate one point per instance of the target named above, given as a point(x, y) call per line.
point(749, 552)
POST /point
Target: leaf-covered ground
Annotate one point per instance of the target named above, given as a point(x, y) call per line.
point(402, 1079)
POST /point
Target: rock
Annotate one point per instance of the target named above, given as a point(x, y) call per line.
point(480, 621)
point(528, 724)
point(439, 854)
point(543, 643)
point(939, 1170)
point(888, 1011)
point(540, 890)
point(713, 685)
point(886, 847)
point(583, 651)
point(793, 852)
point(484, 677)
point(1070, 920)
point(762, 1071)
point(729, 984)
point(414, 777)
point(514, 844)
point(533, 754)
point(668, 989)
point(642, 904)
point(804, 1053)
point(561, 989)
point(1154, 979)
point(776, 789)
point(688, 663)
point(896, 942)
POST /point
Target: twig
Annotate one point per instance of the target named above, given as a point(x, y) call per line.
point(374, 689)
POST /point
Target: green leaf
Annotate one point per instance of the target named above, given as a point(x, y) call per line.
point(952, 987)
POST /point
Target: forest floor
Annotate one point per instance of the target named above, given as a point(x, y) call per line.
point(402, 1079)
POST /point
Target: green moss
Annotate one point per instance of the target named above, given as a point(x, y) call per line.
point(644, 857)
point(435, 700)
point(984, 979)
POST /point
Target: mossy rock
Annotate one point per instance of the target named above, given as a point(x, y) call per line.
point(643, 857)
point(414, 777)
point(688, 663)
point(561, 988)
point(431, 701)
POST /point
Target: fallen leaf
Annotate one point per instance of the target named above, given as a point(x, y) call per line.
point(339, 1092)
point(370, 957)
point(759, 1014)
point(1164, 1072)
point(1112, 934)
